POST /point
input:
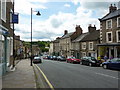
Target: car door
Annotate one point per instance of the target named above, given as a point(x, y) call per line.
point(112, 63)
point(83, 60)
point(117, 64)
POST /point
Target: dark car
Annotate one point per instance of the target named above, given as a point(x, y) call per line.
point(61, 58)
point(54, 58)
point(50, 57)
point(72, 59)
point(90, 61)
point(112, 64)
point(37, 60)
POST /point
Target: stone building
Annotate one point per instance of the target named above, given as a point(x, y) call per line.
point(110, 33)
point(6, 35)
point(88, 43)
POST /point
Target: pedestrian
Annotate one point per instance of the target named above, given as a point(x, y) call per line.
point(105, 58)
point(111, 57)
point(99, 57)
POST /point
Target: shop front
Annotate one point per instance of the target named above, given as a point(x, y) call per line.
point(3, 50)
point(110, 50)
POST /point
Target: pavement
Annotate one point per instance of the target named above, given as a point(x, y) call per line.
point(22, 77)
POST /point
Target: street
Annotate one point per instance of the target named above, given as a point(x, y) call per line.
point(67, 75)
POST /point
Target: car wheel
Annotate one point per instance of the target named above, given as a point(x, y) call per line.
point(81, 63)
point(67, 61)
point(105, 66)
point(90, 64)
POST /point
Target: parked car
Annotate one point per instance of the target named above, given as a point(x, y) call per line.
point(37, 60)
point(112, 64)
point(50, 57)
point(54, 58)
point(72, 59)
point(61, 58)
point(90, 61)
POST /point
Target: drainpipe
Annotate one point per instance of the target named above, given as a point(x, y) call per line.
point(5, 57)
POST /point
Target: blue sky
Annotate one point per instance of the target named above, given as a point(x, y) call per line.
point(57, 16)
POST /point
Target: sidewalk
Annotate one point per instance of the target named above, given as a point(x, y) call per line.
point(22, 77)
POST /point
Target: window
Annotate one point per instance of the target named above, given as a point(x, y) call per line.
point(118, 22)
point(84, 45)
point(109, 24)
point(109, 36)
point(118, 35)
point(11, 24)
point(3, 10)
point(1, 48)
point(90, 45)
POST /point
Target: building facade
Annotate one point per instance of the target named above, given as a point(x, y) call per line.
point(6, 38)
point(110, 33)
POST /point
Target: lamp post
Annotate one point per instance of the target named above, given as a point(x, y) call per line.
point(38, 13)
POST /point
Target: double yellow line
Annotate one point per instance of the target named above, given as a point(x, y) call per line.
point(50, 85)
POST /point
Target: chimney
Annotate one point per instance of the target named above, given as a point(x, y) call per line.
point(91, 29)
point(112, 8)
point(78, 30)
point(65, 32)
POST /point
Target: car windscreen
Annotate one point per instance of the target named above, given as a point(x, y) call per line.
point(36, 57)
point(115, 60)
point(73, 57)
point(91, 58)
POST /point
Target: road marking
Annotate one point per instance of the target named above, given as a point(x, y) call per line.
point(50, 85)
point(106, 75)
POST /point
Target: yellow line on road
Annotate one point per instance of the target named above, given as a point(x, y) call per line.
point(50, 85)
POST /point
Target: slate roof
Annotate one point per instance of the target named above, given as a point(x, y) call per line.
point(80, 37)
point(111, 15)
point(92, 36)
point(67, 35)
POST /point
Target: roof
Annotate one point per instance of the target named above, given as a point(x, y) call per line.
point(111, 15)
point(92, 36)
point(80, 37)
point(67, 35)
point(56, 41)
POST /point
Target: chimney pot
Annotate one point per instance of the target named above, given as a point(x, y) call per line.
point(91, 29)
point(112, 8)
point(65, 32)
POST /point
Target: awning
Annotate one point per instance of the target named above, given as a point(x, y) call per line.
point(109, 44)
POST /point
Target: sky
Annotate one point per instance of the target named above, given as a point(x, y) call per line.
point(57, 16)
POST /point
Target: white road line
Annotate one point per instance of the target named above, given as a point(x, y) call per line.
point(107, 75)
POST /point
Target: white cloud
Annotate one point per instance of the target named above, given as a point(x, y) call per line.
point(24, 6)
point(55, 25)
point(67, 5)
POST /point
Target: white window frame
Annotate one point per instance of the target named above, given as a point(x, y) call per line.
point(117, 36)
point(107, 24)
point(90, 46)
point(107, 37)
point(118, 22)
point(84, 44)
point(3, 9)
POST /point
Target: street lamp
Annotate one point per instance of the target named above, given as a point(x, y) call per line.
point(38, 13)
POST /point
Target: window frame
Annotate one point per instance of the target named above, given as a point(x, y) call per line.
point(90, 46)
point(118, 22)
point(2, 9)
point(107, 24)
point(107, 39)
point(117, 35)
point(84, 43)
